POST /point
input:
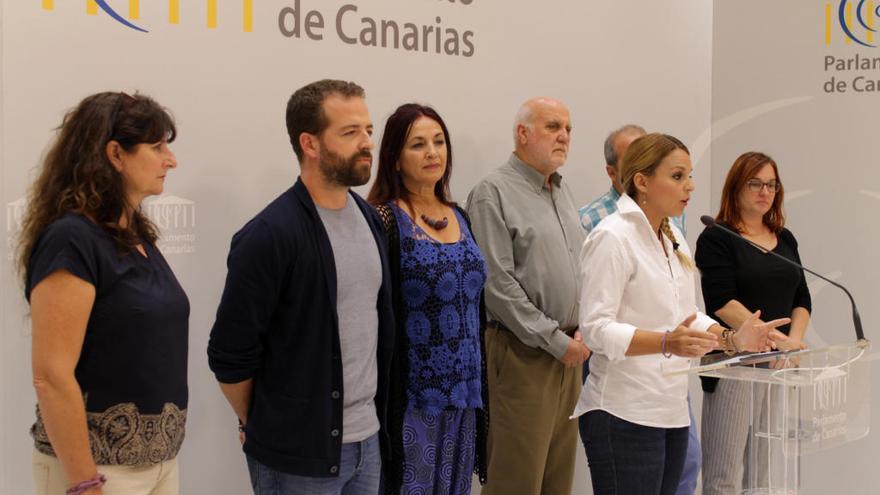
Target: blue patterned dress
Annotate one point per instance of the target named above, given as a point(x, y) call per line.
point(441, 286)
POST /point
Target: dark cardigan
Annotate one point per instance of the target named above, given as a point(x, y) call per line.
point(277, 324)
point(397, 400)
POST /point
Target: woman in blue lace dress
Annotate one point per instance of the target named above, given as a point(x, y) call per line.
point(437, 417)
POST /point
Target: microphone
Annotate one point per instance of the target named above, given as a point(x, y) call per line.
point(857, 320)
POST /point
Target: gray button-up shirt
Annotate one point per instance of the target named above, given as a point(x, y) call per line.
point(531, 237)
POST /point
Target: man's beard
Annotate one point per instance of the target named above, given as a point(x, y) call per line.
point(342, 171)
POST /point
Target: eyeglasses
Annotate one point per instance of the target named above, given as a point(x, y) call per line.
point(756, 185)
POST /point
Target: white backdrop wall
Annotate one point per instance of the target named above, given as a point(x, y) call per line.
point(771, 65)
point(611, 62)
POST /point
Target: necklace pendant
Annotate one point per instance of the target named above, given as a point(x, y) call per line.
point(435, 224)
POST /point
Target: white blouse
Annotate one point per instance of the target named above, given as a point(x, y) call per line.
point(630, 283)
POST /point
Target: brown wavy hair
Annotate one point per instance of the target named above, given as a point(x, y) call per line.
point(744, 168)
point(77, 176)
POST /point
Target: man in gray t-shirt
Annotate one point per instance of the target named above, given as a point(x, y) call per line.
point(358, 278)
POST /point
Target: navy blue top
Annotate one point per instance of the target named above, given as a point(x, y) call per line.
point(132, 367)
point(277, 324)
point(441, 286)
point(135, 347)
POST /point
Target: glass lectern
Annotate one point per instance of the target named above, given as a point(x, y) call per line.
point(801, 402)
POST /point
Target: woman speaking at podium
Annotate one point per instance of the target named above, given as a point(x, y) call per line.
point(639, 316)
point(738, 279)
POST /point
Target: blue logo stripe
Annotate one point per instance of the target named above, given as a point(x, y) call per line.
point(859, 10)
point(112, 13)
point(842, 15)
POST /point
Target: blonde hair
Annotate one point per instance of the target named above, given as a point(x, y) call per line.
point(643, 157)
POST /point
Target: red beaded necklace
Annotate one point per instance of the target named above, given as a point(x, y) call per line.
point(434, 224)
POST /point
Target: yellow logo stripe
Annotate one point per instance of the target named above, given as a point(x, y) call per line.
point(173, 11)
point(247, 12)
point(828, 18)
point(212, 14)
point(248, 16)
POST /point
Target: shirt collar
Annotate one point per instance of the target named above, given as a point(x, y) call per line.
point(532, 176)
point(629, 208)
point(613, 194)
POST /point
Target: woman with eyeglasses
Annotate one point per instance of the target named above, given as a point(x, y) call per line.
point(109, 319)
point(737, 280)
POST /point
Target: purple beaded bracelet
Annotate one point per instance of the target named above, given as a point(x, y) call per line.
point(667, 355)
point(97, 481)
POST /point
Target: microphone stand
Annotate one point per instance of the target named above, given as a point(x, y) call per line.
point(857, 320)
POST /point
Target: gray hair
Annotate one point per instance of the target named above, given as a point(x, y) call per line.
point(524, 116)
point(611, 157)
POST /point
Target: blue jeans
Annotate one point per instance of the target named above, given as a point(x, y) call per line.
point(692, 462)
point(630, 459)
point(359, 469)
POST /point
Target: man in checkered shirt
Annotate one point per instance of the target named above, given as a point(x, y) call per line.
point(616, 145)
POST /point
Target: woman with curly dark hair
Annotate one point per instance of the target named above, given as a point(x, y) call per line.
point(110, 320)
